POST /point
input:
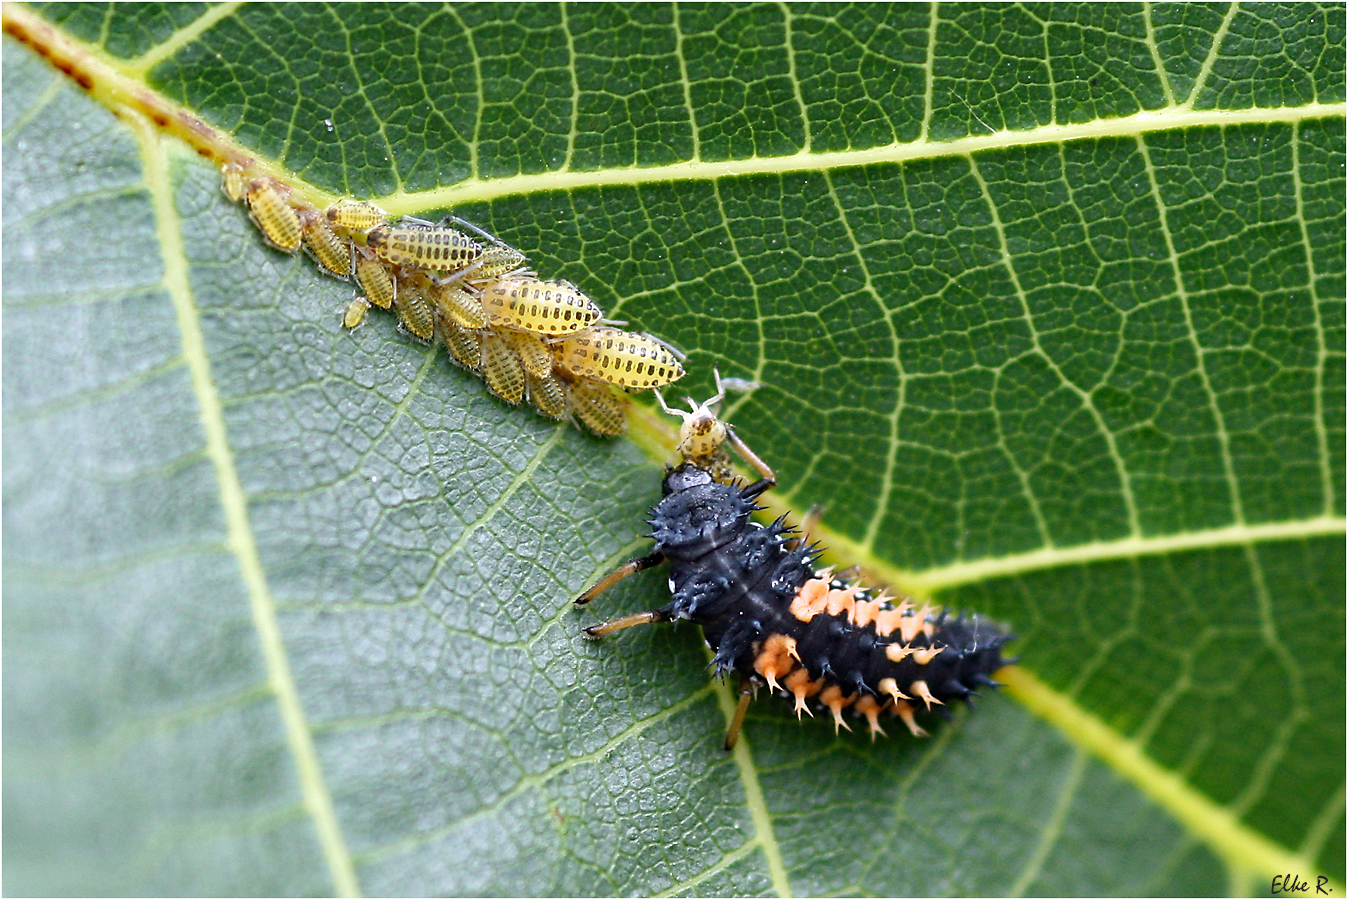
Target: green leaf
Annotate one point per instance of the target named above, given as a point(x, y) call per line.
point(1047, 304)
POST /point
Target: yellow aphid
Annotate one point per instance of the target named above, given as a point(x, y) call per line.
point(273, 216)
point(354, 219)
point(235, 188)
point(548, 395)
point(355, 313)
point(415, 310)
point(374, 280)
point(534, 353)
point(328, 250)
point(502, 369)
point(599, 408)
point(464, 346)
point(461, 307)
point(432, 247)
point(616, 357)
point(541, 307)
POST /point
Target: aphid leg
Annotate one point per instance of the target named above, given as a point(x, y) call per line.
point(644, 618)
point(752, 459)
point(812, 517)
point(732, 735)
point(631, 567)
point(457, 276)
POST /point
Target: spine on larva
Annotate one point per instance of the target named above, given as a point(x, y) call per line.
point(769, 615)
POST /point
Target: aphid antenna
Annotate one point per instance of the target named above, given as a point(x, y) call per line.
point(416, 220)
point(482, 232)
point(683, 357)
point(618, 323)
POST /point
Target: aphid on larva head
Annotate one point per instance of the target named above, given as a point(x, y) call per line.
point(548, 395)
point(355, 312)
point(332, 253)
point(374, 279)
point(273, 215)
point(416, 312)
point(607, 354)
point(770, 616)
point(541, 307)
point(234, 185)
point(598, 407)
point(502, 369)
point(461, 307)
point(464, 346)
point(533, 351)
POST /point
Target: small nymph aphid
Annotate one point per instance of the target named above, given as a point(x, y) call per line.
point(602, 411)
point(273, 215)
point(502, 369)
point(235, 185)
point(464, 346)
point(548, 394)
point(355, 219)
point(777, 621)
point(456, 302)
point(415, 310)
point(703, 436)
point(355, 313)
point(613, 356)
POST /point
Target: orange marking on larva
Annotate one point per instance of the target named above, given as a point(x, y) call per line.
point(833, 698)
point(924, 693)
point(811, 599)
point(774, 660)
point(926, 654)
point(905, 712)
point(839, 602)
point(897, 653)
point(865, 612)
point(890, 687)
point(799, 684)
point(871, 710)
point(911, 625)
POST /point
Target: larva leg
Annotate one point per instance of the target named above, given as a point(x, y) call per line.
point(732, 735)
point(631, 567)
point(650, 617)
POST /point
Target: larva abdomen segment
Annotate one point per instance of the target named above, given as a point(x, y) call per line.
point(273, 215)
point(541, 307)
point(616, 357)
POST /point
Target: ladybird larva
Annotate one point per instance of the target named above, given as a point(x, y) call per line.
point(613, 356)
point(273, 216)
point(541, 307)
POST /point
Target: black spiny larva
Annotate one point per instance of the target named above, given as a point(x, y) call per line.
point(768, 614)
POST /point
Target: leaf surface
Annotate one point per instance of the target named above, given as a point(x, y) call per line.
point(1047, 305)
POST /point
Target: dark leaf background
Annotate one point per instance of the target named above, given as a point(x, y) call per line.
point(287, 609)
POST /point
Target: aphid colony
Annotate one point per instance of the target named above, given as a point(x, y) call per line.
point(768, 614)
point(544, 340)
